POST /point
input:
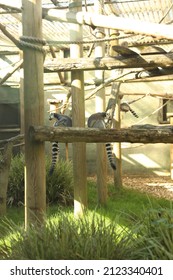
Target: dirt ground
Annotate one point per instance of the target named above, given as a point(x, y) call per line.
point(156, 186)
point(161, 187)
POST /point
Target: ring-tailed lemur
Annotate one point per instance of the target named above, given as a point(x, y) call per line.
point(97, 120)
point(61, 120)
point(125, 107)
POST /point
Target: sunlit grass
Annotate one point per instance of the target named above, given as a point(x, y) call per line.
point(128, 204)
point(64, 237)
point(123, 229)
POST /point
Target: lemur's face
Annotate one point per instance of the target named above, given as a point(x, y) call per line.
point(103, 114)
point(51, 116)
point(107, 116)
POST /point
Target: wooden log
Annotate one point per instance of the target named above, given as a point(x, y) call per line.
point(109, 63)
point(171, 152)
point(152, 134)
point(111, 22)
point(116, 118)
point(117, 146)
point(100, 105)
point(62, 81)
point(4, 174)
point(9, 35)
point(21, 94)
point(78, 117)
point(35, 190)
point(12, 70)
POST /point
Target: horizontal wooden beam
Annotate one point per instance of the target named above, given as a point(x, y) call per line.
point(90, 135)
point(111, 21)
point(109, 63)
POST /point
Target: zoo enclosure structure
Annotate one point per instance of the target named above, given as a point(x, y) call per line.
point(155, 64)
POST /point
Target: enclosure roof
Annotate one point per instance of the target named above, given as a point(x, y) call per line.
point(57, 34)
point(160, 11)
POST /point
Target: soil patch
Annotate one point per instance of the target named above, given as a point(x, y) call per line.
point(161, 187)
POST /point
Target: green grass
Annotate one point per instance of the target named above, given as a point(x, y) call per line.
point(127, 203)
point(64, 237)
point(16, 214)
point(132, 225)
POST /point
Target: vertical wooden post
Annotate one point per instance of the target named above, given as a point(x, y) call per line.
point(171, 152)
point(54, 56)
point(78, 115)
point(117, 122)
point(100, 107)
point(117, 146)
point(35, 193)
point(21, 92)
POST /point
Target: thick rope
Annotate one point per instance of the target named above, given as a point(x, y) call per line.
point(80, 42)
point(32, 43)
point(37, 44)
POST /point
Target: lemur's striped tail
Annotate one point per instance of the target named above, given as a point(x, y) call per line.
point(133, 112)
point(55, 156)
point(62, 121)
point(110, 156)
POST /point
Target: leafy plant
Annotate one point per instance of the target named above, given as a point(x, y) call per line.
point(158, 232)
point(15, 192)
point(59, 185)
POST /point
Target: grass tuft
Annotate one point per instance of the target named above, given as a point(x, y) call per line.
point(130, 226)
point(63, 237)
point(59, 186)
